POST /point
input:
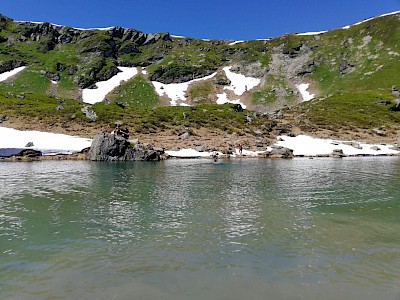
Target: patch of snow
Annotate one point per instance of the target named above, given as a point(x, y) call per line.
point(309, 146)
point(13, 141)
point(53, 82)
point(246, 153)
point(178, 36)
point(92, 96)
point(176, 91)
point(313, 33)
point(240, 83)
point(235, 42)
point(303, 91)
point(144, 71)
point(189, 153)
point(6, 75)
point(223, 98)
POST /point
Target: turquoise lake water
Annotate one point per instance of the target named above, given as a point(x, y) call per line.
point(191, 229)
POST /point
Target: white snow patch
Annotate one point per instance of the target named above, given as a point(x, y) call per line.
point(246, 153)
point(187, 153)
point(144, 71)
point(13, 141)
point(235, 42)
point(178, 36)
point(240, 83)
point(223, 98)
point(313, 33)
point(369, 19)
point(309, 146)
point(176, 91)
point(53, 82)
point(303, 91)
point(92, 96)
point(6, 75)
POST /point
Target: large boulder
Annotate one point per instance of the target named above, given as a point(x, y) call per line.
point(110, 147)
point(280, 152)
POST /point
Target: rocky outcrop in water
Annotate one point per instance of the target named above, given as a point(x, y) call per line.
point(110, 147)
point(279, 152)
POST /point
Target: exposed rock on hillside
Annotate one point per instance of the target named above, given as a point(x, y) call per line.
point(10, 65)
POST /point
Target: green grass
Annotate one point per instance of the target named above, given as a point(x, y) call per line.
point(137, 92)
point(351, 110)
point(27, 81)
point(201, 92)
point(41, 107)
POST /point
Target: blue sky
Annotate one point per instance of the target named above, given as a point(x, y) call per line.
point(213, 19)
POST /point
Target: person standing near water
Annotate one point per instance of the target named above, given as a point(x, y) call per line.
point(240, 149)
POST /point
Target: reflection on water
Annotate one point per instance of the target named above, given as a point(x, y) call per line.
point(254, 229)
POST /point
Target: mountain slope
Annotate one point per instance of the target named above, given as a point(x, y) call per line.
point(347, 69)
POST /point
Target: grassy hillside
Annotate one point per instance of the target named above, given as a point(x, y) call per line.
point(349, 71)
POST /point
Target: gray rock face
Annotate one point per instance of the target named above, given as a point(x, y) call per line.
point(109, 147)
point(250, 69)
point(10, 65)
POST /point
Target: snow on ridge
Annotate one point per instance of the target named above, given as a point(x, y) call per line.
point(178, 36)
point(303, 91)
point(313, 33)
point(92, 96)
point(8, 74)
point(235, 42)
point(176, 91)
point(369, 19)
point(77, 28)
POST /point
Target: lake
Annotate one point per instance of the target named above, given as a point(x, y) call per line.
point(191, 229)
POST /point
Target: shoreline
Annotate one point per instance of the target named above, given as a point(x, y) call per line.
point(17, 145)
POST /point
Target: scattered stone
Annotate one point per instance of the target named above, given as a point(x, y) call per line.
point(185, 135)
point(375, 148)
point(337, 153)
point(53, 76)
point(120, 104)
point(89, 113)
point(3, 118)
point(30, 144)
point(379, 132)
